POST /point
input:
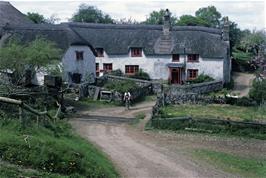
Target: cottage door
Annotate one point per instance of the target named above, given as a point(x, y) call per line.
point(175, 76)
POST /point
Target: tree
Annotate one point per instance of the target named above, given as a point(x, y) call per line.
point(126, 21)
point(252, 42)
point(234, 36)
point(258, 91)
point(209, 14)
point(91, 14)
point(157, 18)
point(52, 19)
point(18, 58)
point(192, 21)
point(36, 18)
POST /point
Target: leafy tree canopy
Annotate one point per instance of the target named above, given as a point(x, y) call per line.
point(192, 21)
point(91, 14)
point(157, 17)
point(251, 42)
point(17, 57)
point(36, 17)
point(209, 14)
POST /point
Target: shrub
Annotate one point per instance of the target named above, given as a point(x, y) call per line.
point(121, 86)
point(141, 75)
point(117, 72)
point(201, 78)
point(258, 91)
point(230, 85)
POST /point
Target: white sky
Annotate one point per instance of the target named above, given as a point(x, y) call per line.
point(246, 13)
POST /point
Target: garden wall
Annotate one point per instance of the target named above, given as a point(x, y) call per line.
point(156, 86)
point(86, 90)
point(199, 88)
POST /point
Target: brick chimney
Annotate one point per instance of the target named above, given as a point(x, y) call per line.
point(225, 30)
point(166, 23)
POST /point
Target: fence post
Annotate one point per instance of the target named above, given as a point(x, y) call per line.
point(20, 114)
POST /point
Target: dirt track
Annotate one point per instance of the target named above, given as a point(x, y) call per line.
point(139, 153)
point(242, 83)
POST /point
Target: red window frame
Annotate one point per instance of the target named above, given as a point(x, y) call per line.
point(100, 52)
point(193, 58)
point(107, 67)
point(131, 69)
point(192, 74)
point(136, 52)
point(79, 55)
point(175, 58)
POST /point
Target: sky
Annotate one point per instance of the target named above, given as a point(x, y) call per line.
point(249, 14)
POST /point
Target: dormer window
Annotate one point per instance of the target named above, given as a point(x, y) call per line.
point(175, 57)
point(79, 55)
point(136, 52)
point(193, 58)
point(100, 52)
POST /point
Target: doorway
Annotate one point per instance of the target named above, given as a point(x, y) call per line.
point(175, 75)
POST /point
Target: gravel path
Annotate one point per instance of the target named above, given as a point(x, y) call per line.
point(139, 153)
point(242, 83)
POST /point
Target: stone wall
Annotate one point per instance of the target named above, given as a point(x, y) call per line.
point(199, 88)
point(86, 90)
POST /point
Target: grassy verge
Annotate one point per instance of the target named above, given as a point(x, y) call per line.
point(18, 171)
point(214, 111)
point(90, 103)
point(50, 149)
point(246, 167)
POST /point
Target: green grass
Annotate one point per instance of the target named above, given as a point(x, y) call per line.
point(18, 171)
point(91, 104)
point(246, 167)
point(140, 116)
point(51, 149)
point(214, 111)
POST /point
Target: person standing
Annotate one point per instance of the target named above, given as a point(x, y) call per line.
point(127, 97)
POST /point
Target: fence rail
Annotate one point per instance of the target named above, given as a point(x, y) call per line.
point(28, 108)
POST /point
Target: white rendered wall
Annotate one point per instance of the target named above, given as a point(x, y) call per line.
point(156, 66)
point(84, 67)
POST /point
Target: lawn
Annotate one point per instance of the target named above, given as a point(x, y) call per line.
point(243, 166)
point(214, 111)
point(51, 150)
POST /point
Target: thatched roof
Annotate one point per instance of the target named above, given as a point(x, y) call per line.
point(10, 15)
point(60, 34)
point(117, 39)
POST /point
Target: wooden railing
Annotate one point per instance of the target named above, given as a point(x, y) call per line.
point(22, 106)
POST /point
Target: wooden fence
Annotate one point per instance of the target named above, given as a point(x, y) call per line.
point(23, 106)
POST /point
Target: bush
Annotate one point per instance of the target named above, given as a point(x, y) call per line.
point(121, 86)
point(230, 85)
point(258, 91)
point(117, 72)
point(141, 75)
point(201, 78)
point(244, 101)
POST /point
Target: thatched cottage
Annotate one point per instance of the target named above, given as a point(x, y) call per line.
point(176, 53)
point(78, 58)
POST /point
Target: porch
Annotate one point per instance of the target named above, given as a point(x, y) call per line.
point(176, 73)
